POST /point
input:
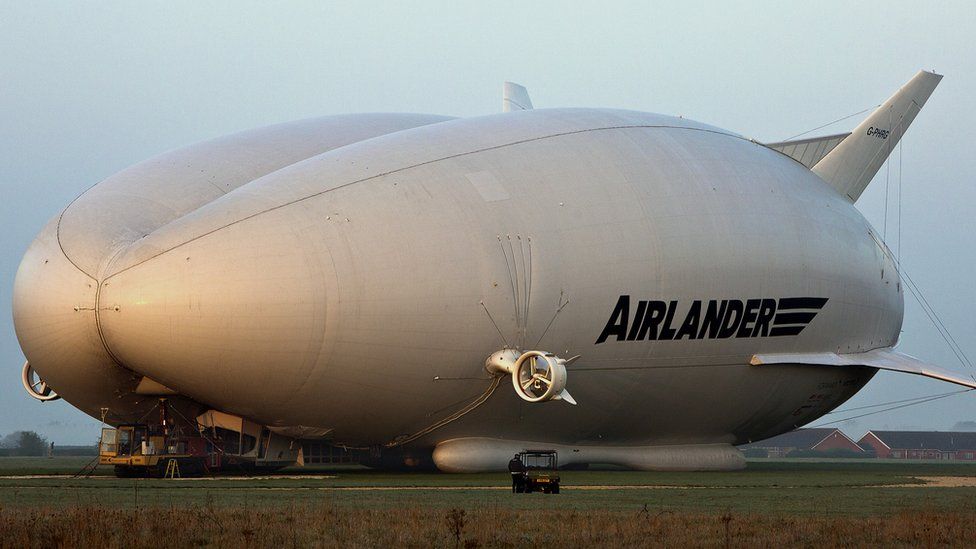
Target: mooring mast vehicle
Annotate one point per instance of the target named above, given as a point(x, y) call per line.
point(136, 450)
point(157, 449)
point(190, 448)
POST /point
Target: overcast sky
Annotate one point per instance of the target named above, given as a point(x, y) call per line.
point(89, 88)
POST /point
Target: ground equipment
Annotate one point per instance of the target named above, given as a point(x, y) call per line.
point(137, 450)
point(541, 473)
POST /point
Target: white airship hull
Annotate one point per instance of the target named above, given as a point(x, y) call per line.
point(358, 292)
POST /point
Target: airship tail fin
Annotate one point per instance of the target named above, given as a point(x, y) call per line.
point(515, 98)
point(851, 165)
point(884, 358)
point(810, 150)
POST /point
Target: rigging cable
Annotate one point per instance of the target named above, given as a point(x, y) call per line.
point(468, 408)
point(202, 432)
point(884, 232)
point(916, 291)
point(901, 145)
point(927, 308)
point(937, 321)
point(930, 311)
point(834, 122)
point(456, 415)
point(929, 399)
point(493, 323)
point(867, 406)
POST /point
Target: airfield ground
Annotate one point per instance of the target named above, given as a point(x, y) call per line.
point(771, 503)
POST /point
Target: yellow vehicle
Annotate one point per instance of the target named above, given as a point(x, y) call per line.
point(135, 451)
point(541, 472)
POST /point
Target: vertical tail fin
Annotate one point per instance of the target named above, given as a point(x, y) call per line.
point(854, 162)
point(515, 98)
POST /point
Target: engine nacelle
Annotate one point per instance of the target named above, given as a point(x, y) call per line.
point(537, 376)
point(35, 386)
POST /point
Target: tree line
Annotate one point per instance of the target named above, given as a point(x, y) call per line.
point(23, 443)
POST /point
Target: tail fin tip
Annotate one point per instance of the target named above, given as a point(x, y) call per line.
point(851, 165)
point(515, 98)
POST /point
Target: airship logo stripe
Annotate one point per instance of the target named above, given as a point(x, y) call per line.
point(786, 331)
point(802, 303)
point(658, 320)
point(793, 318)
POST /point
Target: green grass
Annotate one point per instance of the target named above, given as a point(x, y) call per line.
point(60, 465)
point(837, 487)
point(770, 504)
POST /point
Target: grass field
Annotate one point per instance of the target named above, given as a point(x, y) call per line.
point(770, 503)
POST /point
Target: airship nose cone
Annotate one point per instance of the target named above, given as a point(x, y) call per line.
point(55, 320)
point(235, 318)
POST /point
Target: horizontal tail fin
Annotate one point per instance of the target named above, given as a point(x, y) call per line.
point(851, 165)
point(809, 151)
point(884, 358)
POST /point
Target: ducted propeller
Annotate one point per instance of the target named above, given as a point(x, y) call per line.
point(35, 386)
point(537, 376)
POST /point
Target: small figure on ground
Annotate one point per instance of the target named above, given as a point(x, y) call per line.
point(516, 468)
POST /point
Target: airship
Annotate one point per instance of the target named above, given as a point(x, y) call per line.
point(623, 287)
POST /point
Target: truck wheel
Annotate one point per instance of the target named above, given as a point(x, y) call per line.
point(555, 488)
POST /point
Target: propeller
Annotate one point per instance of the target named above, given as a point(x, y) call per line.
point(537, 376)
point(35, 386)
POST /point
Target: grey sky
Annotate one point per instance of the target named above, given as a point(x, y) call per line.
point(88, 88)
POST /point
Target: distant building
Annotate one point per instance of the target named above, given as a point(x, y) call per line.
point(947, 445)
point(805, 441)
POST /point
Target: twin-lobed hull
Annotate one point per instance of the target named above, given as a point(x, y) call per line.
point(359, 290)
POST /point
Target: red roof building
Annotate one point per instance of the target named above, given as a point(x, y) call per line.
point(804, 440)
point(943, 445)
